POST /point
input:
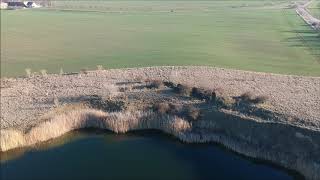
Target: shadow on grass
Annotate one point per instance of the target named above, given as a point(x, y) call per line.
point(307, 38)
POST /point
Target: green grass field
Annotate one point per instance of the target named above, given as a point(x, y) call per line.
point(247, 35)
point(315, 8)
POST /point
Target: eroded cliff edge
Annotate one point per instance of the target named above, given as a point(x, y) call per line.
point(284, 129)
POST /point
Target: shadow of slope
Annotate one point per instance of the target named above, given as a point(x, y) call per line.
point(306, 40)
point(302, 35)
point(293, 146)
point(289, 146)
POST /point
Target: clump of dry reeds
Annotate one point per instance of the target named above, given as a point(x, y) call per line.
point(203, 94)
point(193, 113)
point(188, 112)
point(225, 101)
point(183, 90)
point(63, 121)
point(248, 97)
point(153, 83)
point(106, 104)
point(162, 108)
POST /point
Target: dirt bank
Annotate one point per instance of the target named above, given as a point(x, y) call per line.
point(285, 129)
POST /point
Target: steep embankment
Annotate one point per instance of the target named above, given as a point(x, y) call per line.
point(284, 130)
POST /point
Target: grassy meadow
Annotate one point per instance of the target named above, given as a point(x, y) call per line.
point(248, 35)
point(315, 8)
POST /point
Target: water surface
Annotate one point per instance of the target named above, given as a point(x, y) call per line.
point(143, 155)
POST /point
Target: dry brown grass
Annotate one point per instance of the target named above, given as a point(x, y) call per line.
point(193, 113)
point(225, 101)
point(11, 139)
point(73, 117)
point(154, 83)
point(183, 90)
point(203, 94)
point(248, 97)
point(162, 108)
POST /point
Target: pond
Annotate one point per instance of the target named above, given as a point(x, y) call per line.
point(141, 155)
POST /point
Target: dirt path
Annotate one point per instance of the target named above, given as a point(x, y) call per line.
point(303, 12)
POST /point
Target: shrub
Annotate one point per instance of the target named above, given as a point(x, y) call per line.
point(197, 93)
point(183, 90)
point(169, 84)
point(175, 109)
point(248, 97)
point(225, 101)
point(153, 84)
point(97, 102)
point(124, 88)
point(168, 108)
point(208, 95)
point(193, 113)
point(162, 108)
point(260, 99)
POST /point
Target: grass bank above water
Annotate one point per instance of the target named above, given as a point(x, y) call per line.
point(231, 36)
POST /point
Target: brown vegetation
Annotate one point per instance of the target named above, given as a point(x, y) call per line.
point(153, 83)
point(183, 90)
point(248, 97)
point(188, 112)
point(106, 104)
point(186, 118)
point(204, 94)
point(162, 108)
point(193, 113)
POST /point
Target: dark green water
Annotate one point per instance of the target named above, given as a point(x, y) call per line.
point(142, 155)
